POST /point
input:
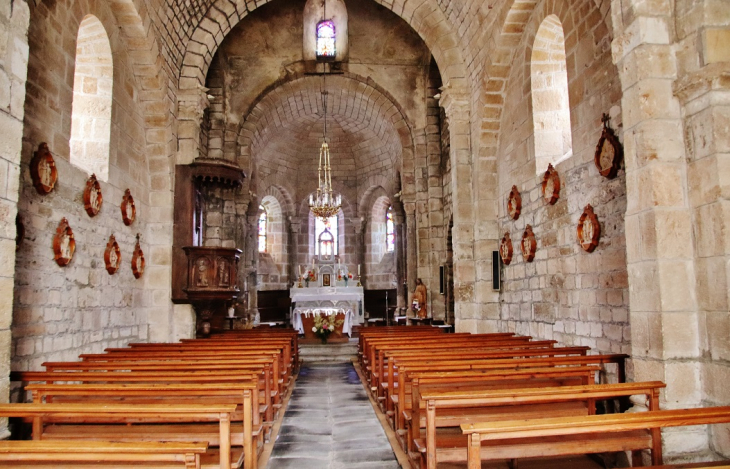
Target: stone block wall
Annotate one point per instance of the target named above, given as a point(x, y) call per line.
point(14, 18)
point(565, 294)
point(60, 312)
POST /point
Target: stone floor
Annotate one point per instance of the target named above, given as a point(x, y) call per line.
point(330, 424)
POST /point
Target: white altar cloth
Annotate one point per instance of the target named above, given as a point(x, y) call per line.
point(298, 312)
point(327, 298)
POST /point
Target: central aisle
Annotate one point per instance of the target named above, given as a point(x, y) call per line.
point(330, 424)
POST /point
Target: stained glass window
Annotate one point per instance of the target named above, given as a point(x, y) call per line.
point(326, 39)
point(389, 231)
point(327, 244)
point(262, 228)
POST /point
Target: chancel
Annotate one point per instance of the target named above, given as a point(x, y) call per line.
point(546, 179)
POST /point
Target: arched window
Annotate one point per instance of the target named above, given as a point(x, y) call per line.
point(550, 102)
point(389, 231)
point(325, 235)
point(91, 110)
point(263, 226)
point(326, 39)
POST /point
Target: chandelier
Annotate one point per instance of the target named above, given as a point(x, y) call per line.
point(324, 205)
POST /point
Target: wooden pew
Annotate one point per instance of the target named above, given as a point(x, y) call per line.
point(457, 357)
point(42, 414)
point(453, 408)
point(161, 377)
point(405, 367)
point(76, 454)
point(272, 390)
point(515, 439)
point(430, 346)
point(548, 377)
point(244, 395)
point(487, 361)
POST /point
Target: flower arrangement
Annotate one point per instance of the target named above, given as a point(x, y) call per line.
point(309, 276)
point(326, 325)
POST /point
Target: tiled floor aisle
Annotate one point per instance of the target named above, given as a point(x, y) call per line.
point(330, 424)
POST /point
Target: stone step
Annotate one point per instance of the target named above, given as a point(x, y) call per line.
point(330, 353)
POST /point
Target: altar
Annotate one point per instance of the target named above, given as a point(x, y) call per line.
point(326, 298)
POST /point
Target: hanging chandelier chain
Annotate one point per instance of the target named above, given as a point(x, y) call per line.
point(325, 204)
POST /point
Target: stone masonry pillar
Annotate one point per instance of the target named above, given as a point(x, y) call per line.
point(456, 106)
point(665, 335)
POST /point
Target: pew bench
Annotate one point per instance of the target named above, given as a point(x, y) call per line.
point(246, 427)
point(448, 408)
point(412, 383)
point(100, 454)
point(514, 439)
point(61, 421)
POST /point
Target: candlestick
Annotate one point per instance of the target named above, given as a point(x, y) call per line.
point(358, 269)
point(300, 270)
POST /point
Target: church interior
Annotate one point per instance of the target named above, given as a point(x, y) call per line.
point(545, 168)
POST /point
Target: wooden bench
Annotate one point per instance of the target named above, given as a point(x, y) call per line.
point(465, 359)
point(376, 365)
point(202, 380)
point(486, 361)
point(130, 417)
point(72, 454)
point(246, 428)
point(453, 408)
point(564, 436)
point(549, 377)
point(272, 388)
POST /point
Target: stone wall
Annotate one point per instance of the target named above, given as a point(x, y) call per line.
point(14, 19)
point(565, 293)
point(60, 312)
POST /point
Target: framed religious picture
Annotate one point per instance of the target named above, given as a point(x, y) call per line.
point(129, 211)
point(506, 249)
point(551, 185)
point(326, 281)
point(43, 170)
point(609, 151)
point(514, 203)
point(64, 244)
point(529, 244)
point(112, 256)
point(589, 230)
point(137, 259)
point(92, 196)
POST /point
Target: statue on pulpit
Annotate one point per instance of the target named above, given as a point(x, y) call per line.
point(419, 299)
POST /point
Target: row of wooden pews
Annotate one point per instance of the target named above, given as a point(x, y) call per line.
point(455, 398)
point(203, 403)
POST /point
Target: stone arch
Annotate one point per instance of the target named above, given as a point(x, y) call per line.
point(91, 109)
point(425, 17)
point(290, 97)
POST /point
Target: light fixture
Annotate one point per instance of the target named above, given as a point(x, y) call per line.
point(324, 205)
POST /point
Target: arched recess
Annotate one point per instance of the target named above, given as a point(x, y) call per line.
point(91, 115)
point(316, 11)
point(345, 239)
point(273, 269)
point(550, 101)
point(380, 266)
point(359, 99)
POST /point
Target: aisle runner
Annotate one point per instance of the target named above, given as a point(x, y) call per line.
point(330, 424)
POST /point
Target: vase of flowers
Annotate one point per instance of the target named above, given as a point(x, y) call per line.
point(326, 325)
point(308, 276)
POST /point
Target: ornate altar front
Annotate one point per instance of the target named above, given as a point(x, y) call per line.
point(348, 298)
